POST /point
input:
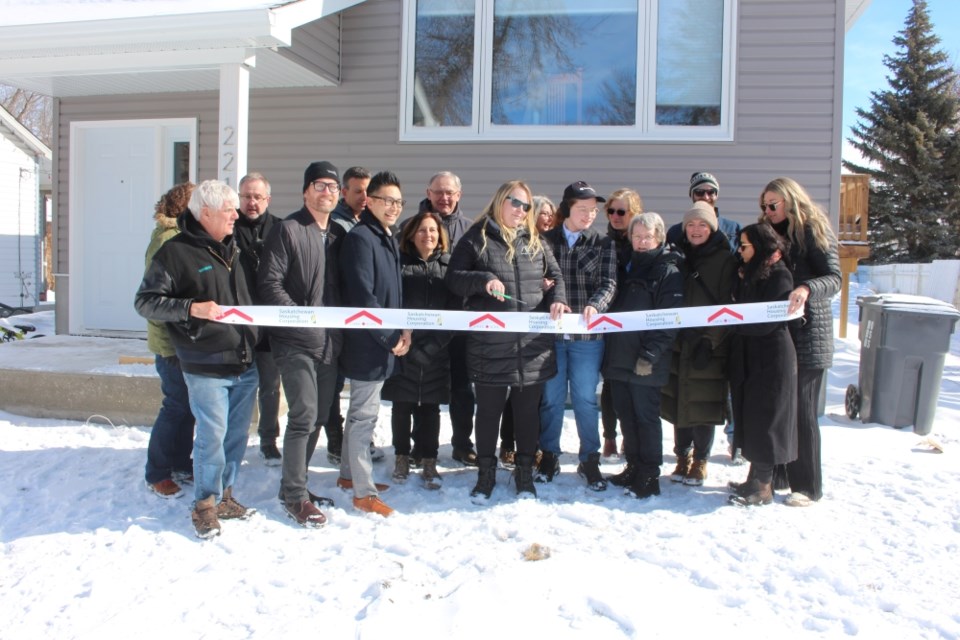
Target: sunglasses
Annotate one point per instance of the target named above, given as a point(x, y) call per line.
point(743, 246)
point(519, 204)
point(704, 192)
point(616, 212)
point(770, 207)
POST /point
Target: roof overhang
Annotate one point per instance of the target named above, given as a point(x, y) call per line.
point(22, 137)
point(853, 9)
point(133, 53)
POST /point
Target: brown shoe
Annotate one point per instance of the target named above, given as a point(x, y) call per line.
point(230, 509)
point(347, 485)
point(756, 494)
point(372, 504)
point(430, 475)
point(401, 469)
point(306, 514)
point(696, 474)
point(609, 448)
point(508, 458)
point(682, 468)
point(204, 518)
point(166, 488)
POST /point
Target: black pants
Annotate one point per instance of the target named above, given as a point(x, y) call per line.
point(461, 395)
point(698, 438)
point(608, 412)
point(805, 473)
point(526, 417)
point(639, 410)
point(268, 397)
point(507, 440)
point(427, 417)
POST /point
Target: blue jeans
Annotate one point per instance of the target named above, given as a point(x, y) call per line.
point(578, 363)
point(171, 438)
point(223, 407)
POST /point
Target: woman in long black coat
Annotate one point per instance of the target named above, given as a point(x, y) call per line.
point(423, 383)
point(763, 368)
point(499, 265)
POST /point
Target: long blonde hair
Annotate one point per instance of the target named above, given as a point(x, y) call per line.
point(492, 213)
point(801, 212)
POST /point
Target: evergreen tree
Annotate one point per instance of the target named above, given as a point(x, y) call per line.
point(909, 140)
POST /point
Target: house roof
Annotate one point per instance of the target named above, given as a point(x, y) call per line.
point(101, 47)
point(11, 128)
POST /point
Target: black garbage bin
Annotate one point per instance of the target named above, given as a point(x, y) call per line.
point(903, 342)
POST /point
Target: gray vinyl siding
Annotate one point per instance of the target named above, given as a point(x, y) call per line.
point(316, 46)
point(787, 122)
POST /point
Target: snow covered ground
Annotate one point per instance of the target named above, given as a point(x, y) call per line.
point(87, 552)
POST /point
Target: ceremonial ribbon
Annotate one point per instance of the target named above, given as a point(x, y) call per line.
point(508, 321)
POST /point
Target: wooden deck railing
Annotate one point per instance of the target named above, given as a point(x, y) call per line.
point(854, 194)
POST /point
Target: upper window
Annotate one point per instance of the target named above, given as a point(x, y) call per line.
point(567, 70)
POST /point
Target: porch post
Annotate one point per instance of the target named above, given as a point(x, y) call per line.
point(234, 116)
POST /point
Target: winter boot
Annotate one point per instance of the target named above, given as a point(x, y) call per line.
point(523, 476)
point(682, 469)
point(230, 509)
point(625, 477)
point(486, 479)
point(401, 470)
point(756, 494)
point(204, 518)
point(334, 442)
point(644, 487)
point(610, 448)
point(590, 471)
point(696, 474)
point(431, 478)
point(548, 467)
point(270, 454)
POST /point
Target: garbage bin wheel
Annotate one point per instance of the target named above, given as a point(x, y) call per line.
point(852, 401)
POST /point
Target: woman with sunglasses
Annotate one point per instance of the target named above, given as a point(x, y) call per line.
point(763, 368)
point(622, 206)
point(498, 265)
point(815, 265)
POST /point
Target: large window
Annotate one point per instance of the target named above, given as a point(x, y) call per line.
point(567, 69)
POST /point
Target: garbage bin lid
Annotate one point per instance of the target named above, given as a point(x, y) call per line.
point(904, 303)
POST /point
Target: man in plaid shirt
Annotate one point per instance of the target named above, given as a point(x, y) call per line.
point(589, 264)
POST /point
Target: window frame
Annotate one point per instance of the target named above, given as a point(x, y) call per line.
point(645, 129)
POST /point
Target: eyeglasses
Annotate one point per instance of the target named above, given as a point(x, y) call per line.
point(443, 194)
point(587, 212)
point(330, 187)
point(519, 204)
point(389, 202)
point(770, 207)
point(744, 246)
point(700, 193)
point(255, 198)
point(647, 238)
point(616, 212)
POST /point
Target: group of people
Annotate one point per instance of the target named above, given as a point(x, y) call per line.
point(214, 247)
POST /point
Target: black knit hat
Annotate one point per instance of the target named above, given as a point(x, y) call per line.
point(317, 170)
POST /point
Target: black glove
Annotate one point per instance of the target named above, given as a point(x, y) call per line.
point(643, 367)
point(702, 354)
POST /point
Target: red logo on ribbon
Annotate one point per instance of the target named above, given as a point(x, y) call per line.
point(363, 314)
point(604, 319)
point(235, 312)
point(491, 318)
point(725, 312)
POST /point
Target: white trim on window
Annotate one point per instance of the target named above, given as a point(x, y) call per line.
point(482, 129)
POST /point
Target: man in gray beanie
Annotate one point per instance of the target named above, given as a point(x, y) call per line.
point(704, 187)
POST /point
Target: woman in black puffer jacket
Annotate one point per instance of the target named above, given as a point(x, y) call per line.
point(423, 383)
point(499, 256)
point(637, 363)
point(816, 277)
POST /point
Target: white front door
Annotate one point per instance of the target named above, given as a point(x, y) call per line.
point(118, 171)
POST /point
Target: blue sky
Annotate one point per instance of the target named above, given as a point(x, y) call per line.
point(872, 37)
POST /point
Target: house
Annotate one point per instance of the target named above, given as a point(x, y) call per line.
point(638, 93)
point(24, 182)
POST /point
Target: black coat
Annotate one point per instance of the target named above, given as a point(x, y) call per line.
point(424, 376)
point(763, 376)
point(369, 262)
point(298, 268)
point(698, 396)
point(193, 267)
point(820, 271)
point(505, 359)
point(650, 280)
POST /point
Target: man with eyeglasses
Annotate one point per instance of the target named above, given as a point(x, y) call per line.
point(443, 197)
point(251, 230)
point(704, 186)
point(300, 269)
point(353, 197)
